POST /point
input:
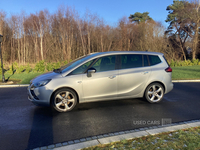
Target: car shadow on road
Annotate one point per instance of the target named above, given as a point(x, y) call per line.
point(41, 133)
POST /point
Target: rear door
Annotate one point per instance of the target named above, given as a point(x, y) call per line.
point(133, 74)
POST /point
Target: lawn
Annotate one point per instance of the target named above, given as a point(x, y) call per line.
point(178, 73)
point(187, 72)
point(24, 77)
point(187, 139)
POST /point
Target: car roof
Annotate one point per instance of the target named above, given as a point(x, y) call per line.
point(124, 52)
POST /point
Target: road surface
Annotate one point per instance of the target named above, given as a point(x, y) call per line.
point(26, 126)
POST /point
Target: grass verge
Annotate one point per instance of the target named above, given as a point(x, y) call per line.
point(179, 73)
point(186, 72)
point(24, 77)
point(187, 139)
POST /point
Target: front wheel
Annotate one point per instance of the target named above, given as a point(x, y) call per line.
point(154, 93)
point(64, 100)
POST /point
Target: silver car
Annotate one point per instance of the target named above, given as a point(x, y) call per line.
point(103, 76)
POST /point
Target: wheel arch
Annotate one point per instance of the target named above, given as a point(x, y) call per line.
point(64, 88)
point(156, 82)
point(146, 96)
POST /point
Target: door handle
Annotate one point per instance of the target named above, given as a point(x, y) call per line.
point(146, 72)
point(112, 77)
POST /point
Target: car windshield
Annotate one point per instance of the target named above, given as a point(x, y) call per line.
point(74, 63)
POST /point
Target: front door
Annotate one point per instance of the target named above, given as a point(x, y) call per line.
point(102, 84)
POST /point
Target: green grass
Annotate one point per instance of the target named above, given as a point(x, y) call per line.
point(183, 139)
point(187, 72)
point(179, 73)
point(23, 77)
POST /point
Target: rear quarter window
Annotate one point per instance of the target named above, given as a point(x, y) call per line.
point(154, 60)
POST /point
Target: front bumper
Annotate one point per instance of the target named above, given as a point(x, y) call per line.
point(38, 96)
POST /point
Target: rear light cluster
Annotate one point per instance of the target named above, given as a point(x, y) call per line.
point(169, 69)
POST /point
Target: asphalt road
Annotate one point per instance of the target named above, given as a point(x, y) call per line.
point(26, 126)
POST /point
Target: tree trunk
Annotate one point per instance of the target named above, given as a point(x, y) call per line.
point(41, 46)
point(18, 49)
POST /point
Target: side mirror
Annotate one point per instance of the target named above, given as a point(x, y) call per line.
point(90, 72)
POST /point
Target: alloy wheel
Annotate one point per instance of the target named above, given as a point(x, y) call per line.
point(155, 93)
point(64, 101)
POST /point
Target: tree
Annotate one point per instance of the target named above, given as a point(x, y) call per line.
point(179, 24)
point(194, 15)
point(140, 17)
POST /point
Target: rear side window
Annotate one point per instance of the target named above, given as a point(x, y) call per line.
point(131, 61)
point(154, 60)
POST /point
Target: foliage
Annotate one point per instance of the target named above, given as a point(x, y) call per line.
point(15, 65)
point(178, 29)
point(62, 35)
point(64, 62)
point(195, 61)
point(11, 69)
point(49, 67)
point(184, 63)
point(40, 66)
point(140, 17)
point(20, 69)
point(57, 65)
point(0, 68)
point(182, 25)
point(28, 68)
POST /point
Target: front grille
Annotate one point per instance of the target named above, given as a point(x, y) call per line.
point(33, 94)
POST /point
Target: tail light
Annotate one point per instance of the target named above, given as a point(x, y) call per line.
point(169, 69)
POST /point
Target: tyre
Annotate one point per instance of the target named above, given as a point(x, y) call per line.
point(154, 93)
point(64, 100)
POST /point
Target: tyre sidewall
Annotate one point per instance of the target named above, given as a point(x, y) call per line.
point(61, 90)
point(147, 89)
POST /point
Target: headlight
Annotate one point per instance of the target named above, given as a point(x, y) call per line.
point(42, 83)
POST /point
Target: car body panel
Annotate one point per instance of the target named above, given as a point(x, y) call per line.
point(102, 85)
point(132, 81)
point(106, 85)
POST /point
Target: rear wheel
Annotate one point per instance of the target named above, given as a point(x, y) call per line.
point(64, 100)
point(154, 93)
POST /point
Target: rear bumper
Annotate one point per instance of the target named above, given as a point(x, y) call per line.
point(169, 87)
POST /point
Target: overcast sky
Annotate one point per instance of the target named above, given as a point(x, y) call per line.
point(110, 10)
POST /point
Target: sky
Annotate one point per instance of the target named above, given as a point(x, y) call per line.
point(110, 10)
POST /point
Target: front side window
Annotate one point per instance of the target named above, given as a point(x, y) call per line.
point(154, 60)
point(106, 63)
point(131, 61)
point(82, 68)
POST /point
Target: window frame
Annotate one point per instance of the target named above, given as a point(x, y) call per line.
point(147, 60)
point(120, 61)
point(94, 60)
point(102, 57)
point(154, 64)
